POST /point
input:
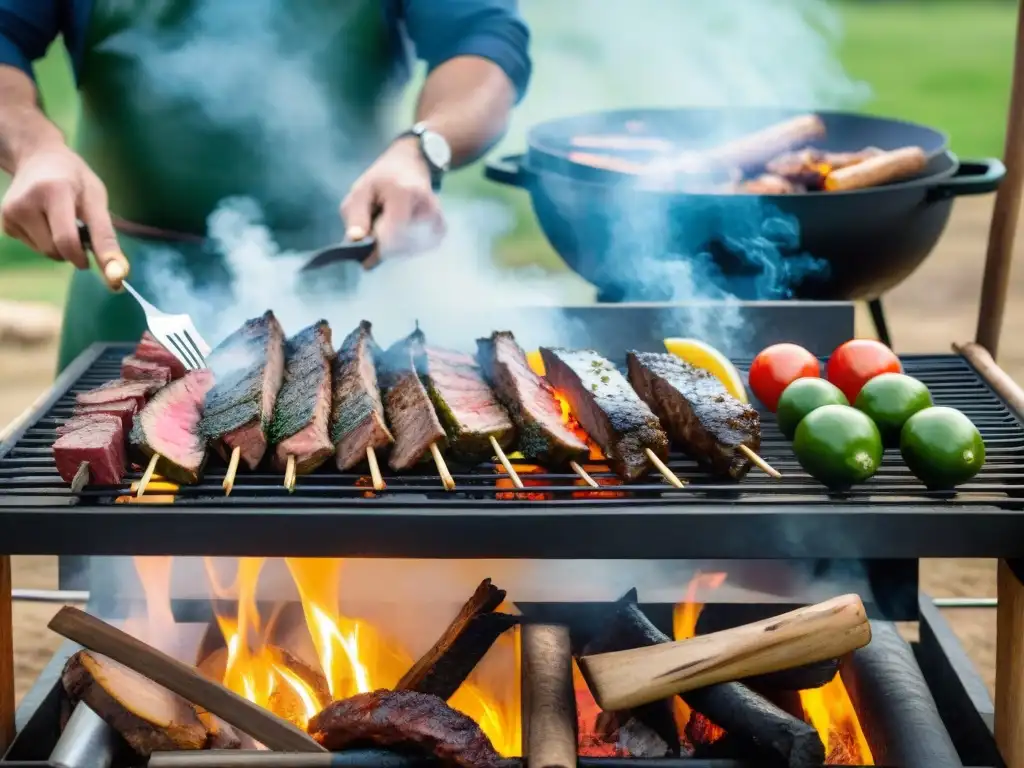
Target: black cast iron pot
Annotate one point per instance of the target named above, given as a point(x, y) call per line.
point(637, 244)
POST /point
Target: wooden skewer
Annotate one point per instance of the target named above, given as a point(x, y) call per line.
point(81, 478)
point(159, 486)
point(583, 474)
point(148, 474)
point(442, 469)
point(667, 473)
point(760, 463)
point(371, 459)
point(289, 474)
point(506, 463)
point(229, 478)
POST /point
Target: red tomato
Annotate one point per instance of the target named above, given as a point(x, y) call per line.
point(778, 366)
point(856, 362)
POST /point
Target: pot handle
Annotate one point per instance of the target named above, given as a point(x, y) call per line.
point(973, 177)
point(507, 170)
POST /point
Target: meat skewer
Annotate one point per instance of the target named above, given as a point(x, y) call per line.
point(711, 425)
point(90, 449)
point(358, 427)
point(300, 425)
point(610, 412)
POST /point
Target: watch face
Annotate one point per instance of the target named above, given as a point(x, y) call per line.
point(438, 153)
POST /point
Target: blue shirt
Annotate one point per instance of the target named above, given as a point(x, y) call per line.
point(438, 30)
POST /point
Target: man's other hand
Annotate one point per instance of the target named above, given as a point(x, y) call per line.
point(394, 201)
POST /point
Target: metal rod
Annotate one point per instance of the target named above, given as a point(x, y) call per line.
point(61, 596)
point(966, 602)
point(87, 741)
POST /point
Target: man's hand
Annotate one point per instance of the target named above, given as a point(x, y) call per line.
point(50, 190)
point(394, 201)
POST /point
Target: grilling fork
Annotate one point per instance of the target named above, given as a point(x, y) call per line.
point(176, 333)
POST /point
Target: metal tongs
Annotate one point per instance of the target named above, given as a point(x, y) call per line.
point(176, 333)
point(350, 250)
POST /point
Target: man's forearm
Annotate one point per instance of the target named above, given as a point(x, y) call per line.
point(24, 128)
point(467, 100)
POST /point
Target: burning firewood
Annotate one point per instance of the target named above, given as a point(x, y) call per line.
point(148, 716)
point(442, 669)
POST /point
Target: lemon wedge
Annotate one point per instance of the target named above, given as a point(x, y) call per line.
point(535, 361)
point(701, 355)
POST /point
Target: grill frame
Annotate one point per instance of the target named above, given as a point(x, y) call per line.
point(421, 520)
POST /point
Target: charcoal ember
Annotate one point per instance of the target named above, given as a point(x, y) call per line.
point(414, 423)
point(150, 349)
point(120, 389)
point(302, 413)
point(101, 444)
point(544, 436)
point(133, 368)
point(607, 408)
point(357, 418)
point(406, 720)
point(125, 410)
point(169, 426)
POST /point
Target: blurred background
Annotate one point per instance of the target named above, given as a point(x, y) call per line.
point(944, 63)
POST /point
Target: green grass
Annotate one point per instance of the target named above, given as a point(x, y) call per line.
point(945, 63)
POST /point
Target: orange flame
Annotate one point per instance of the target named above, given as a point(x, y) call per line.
point(831, 712)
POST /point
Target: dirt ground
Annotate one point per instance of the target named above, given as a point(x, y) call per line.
point(936, 306)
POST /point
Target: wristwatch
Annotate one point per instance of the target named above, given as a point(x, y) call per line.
point(435, 150)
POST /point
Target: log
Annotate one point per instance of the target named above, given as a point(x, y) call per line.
point(442, 669)
point(732, 706)
point(642, 675)
point(548, 699)
point(96, 635)
point(149, 717)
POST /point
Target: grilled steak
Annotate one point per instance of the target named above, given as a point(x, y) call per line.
point(405, 719)
point(88, 420)
point(249, 368)
point(700, 415)
point(120, 389)
point(133, 368)
point(607, 408)
point(414, 423)
point(300, 427)
point(467, 408)
point(543, 436)
point(169, 426)
point(150, 349)
point(125, 410)
point(357, 419)
point(100, 443)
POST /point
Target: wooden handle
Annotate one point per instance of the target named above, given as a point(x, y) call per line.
point(549, 703)
point(264, 726)
point(6, 656)
point(628, 679)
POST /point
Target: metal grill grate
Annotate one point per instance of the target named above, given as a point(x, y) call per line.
point(27, 470)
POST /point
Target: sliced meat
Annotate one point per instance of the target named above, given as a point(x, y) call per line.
point(120, 389)
point(302, 413)
point(699, 413)
point(169, 426)
point(357, 418)
point(249, 369)
point(133, 368)
point(468, 409)
point(101, 444)
point(407, 720)
point(150, 349)
point(530, 400)
point(87, 420)
point(607, 408)
point(125, 410)
point(414, 423)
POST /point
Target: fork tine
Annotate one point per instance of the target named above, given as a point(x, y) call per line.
point(184, 354)
point(195, 348)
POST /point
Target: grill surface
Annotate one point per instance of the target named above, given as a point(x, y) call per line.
point(892, 515)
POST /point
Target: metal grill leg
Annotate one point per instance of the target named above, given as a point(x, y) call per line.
point(878, 318)
point(6, 657)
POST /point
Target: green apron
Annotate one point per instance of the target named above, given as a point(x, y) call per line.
point(173, 133)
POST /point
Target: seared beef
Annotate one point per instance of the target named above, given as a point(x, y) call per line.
point(467, 408)
point(101, 444)
point(133, 368)
point(357, 419)
point(249, 368)
point(300, 427)
point(543, 436)
point(700, 415)
point(120, 389)
point(125, 410)
point(607, 408)
point(150, 349)
point(88, 420)
point(407, 720)
point(169, 426)
point(414, 423)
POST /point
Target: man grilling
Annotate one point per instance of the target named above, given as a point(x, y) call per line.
point(153, 159)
